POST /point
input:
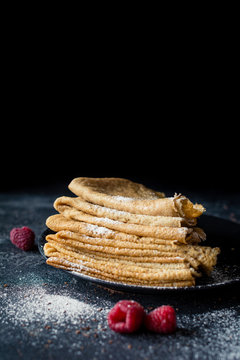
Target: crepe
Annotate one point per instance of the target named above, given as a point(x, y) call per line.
point(181, 234)
point(66, 264)
point(125, 195)
point(121, 231)
point(115, 269)
point(66, 203)
point(200, 257)
point(185, 235)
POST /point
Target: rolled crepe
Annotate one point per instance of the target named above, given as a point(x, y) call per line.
point(77, 219)
point(58, 222)
point(206, 257)
point(124, 195)
point(107, 250)
point(67, 264)
point(171, 261)
point(152, 260)
point(65, 202)
point(118, 270)
point(181, 234)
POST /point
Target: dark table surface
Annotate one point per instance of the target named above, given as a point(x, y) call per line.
point(46, 313)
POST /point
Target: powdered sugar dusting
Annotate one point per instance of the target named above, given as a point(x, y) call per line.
point(81, 265)
point(109, 221)
point(122, 198)
point(36, 307)
point(114, 211)
point(225, 332)
point(126, 198)
point(96, 230)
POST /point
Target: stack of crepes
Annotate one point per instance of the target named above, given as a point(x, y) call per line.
point(121, 231)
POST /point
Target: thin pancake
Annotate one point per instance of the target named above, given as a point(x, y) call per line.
point(84, 206)
point(125, 195)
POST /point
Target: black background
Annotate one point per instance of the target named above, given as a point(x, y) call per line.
point(166, 120)
point(193, 154)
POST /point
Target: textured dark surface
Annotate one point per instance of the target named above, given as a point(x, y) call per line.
point(46, 313)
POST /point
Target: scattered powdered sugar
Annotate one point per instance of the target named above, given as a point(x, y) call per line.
point(224, 273)
point(98, 230)
point(114, 211)
point(37, 306)
point(52, 318)
point(122, 198)
point(74, 321)
point(224, 335)
point(125, 198)
point(109, 221)
point(81, 265)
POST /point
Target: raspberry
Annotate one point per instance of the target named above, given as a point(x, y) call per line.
point(23, 238)
point(126, 316)
point(161, 320)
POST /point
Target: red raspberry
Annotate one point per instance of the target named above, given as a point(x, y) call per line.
point(126, 316)
point(23, 238)
point(161, 320)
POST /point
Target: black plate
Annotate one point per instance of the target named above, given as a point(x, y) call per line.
point(220, 232)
